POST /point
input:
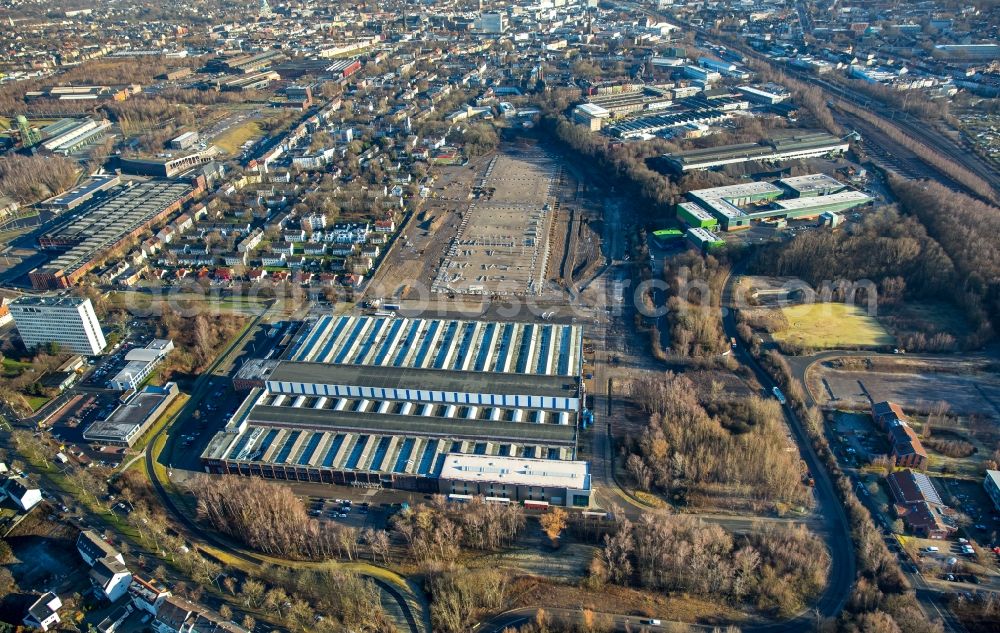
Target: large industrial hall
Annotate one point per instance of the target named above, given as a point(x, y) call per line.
point(383, 401)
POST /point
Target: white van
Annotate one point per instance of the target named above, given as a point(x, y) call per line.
point(932, 550)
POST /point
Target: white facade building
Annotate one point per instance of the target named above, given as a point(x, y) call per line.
point(140, 364)
point(493, 23)
point(63, 319)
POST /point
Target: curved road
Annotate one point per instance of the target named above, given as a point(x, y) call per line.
point(837, 534)
point(829, 520)
point(195, 532)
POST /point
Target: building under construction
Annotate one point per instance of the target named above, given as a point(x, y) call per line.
point(384, 401)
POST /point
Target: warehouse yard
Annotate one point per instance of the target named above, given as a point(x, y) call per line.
point(832, 325)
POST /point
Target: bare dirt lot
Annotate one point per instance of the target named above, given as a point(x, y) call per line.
point(915, 388)
point(502, 242)
point(431, 247)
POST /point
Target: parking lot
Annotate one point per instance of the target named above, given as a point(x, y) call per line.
point(360, 515)
point(858, 440)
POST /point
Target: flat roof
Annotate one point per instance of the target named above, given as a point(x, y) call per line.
point(756, 150)
point(84, 191)
point(128, 417)
point(593, 110)
point(362, 452)
point(704, 234)
point(425, 379)
point(517, 471)
point(741, 190)
point(696, 210)
point(850, 196)
point(724, 208)
point(55, 301)
point(396, 424)
point(811, 183)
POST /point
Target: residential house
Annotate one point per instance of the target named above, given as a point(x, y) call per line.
point(237, 259)
point(43, 614)
point(22, 492)
point(385, 226)
point(272, 259)
point(251, 241)
point(177, 615)
point(92, 548)
point(295, 235)
point(314, 221)
point(112, 576)
point(148, 594)
point(286, 248)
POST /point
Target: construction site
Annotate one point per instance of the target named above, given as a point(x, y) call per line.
point(502, 243)
point(516, 223)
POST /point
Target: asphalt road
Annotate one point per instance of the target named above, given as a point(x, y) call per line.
point(629, 623)
point(195, 533)
point(837, 532)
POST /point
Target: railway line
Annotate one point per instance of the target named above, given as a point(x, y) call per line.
point(917, 129)
point(892, 156)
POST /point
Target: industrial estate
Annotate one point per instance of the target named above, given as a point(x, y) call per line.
point(571, 316)
point(367, 400)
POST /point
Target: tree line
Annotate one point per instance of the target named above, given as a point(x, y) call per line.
point(198, 339)
point(967, 230)
point(695, 285)
point(435, 533)
point(685, 451)
point(904, 261)
point(29, 179)
point(773, 569)
point(269, 519)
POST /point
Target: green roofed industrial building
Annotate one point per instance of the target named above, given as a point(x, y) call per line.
point(736, 206)
point(668, 235)
point(384, 402)
point(694, 216)
point(796, 147)
point(704, 239)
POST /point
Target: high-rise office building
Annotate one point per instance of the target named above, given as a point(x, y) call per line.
point(66, 320)
point(493, 22)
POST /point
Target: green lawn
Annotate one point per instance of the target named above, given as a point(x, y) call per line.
point(36, 402)
point(13, 367)
point(832, 325)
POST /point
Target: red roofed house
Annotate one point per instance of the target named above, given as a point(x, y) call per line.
point(918, 503)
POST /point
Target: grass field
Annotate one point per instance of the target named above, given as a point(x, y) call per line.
point(231, 140)
point(832, 325)
point(36, 402)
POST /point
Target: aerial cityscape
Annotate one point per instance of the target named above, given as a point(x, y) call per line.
point(500, 316)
